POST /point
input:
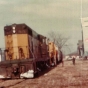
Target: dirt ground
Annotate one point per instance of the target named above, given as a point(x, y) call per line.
point(68, 76)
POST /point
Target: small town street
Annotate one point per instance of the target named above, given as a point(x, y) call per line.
point(68, 76)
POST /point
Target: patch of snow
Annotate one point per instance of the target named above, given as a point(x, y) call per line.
point(28, 74)
point(1, 76)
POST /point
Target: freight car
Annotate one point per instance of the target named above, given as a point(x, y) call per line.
point(26, 52)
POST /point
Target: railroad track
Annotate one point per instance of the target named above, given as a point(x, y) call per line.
point(10, 83)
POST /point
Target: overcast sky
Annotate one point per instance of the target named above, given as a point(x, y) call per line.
point(62, 16)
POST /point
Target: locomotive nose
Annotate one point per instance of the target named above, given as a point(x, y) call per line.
point(15, 69)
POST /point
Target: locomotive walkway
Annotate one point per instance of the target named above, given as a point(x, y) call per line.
point(69, 76)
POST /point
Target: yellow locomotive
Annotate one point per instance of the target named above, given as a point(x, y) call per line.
point(26, 52)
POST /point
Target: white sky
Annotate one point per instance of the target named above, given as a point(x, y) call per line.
point(45, 15)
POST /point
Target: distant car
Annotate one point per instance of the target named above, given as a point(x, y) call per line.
point(77, 57)
point(68, 58)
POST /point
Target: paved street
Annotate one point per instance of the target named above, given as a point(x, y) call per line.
point(69, 76)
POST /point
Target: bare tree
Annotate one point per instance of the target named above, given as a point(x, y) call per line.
point(58, 39)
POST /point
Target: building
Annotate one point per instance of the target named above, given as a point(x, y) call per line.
point(80, 48)
point(84, 22)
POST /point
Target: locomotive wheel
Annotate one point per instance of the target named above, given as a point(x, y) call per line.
point(14, 76)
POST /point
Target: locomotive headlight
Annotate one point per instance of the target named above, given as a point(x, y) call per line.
point(14, 30)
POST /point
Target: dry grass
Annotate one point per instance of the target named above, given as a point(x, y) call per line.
point(69, 76)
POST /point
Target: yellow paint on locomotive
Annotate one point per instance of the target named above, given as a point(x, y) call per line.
point(23, 46)
point(9, 47)
point(16, 46)
point(51, 49)
point(53, 52)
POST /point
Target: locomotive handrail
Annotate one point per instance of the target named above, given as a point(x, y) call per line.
point(32, 53)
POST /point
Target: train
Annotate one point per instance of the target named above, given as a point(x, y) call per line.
point(26, 52)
